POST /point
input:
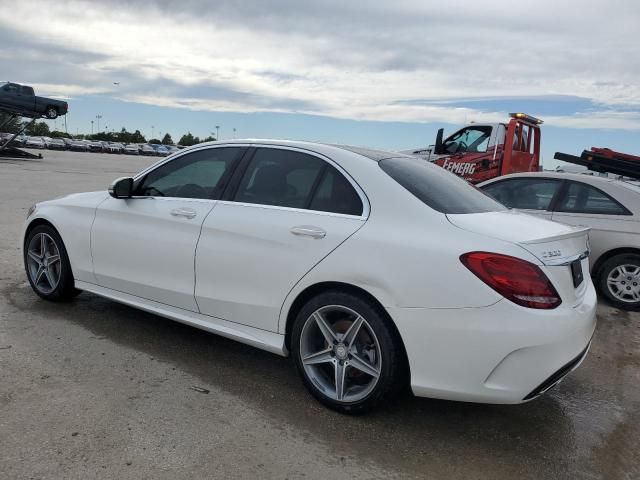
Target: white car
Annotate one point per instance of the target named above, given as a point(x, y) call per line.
point(35, 142)
point(371, 269)
point(115, 147)
point(610, 207)
point(132, 149)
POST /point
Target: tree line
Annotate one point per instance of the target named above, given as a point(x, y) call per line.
point(41, 129)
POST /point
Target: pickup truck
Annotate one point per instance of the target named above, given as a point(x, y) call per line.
point(22, 100)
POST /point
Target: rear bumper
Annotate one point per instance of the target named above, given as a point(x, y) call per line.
point(557, 377)
point(503, 353)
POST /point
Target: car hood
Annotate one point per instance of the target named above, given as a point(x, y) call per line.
point(550, 242)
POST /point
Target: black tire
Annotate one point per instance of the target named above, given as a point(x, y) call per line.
point(51, 112)
point(65, 289)
point(392, 370)
point(613, 292)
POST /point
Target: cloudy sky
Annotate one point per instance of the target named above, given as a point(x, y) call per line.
point(379, 73)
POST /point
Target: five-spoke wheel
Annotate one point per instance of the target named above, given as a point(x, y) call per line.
point(43, 260)
point(340, 353)
point(345, 351)
point(47, 264)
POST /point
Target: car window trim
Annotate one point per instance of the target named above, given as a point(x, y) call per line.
point(234, 184)
point(555, 201)
point(625, 211)
point(218, 191)
point(316, 184)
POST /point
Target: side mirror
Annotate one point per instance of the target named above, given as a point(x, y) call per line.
point(439, 148)
point(121, 188)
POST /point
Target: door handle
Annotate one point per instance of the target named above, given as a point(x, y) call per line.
point(184, 212)
point(309, 231)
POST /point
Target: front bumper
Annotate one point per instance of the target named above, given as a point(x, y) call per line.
point(502, 353)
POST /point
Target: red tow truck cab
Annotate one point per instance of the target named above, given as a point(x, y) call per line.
point(481, 151)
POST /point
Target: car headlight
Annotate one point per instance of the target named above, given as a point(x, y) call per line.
point(32, 209)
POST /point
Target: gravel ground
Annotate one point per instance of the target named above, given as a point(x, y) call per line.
point(94, 389)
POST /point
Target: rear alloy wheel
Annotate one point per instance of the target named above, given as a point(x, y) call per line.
point(345, 352)
point(47, 264)
point(619, 281)
point(51, 113)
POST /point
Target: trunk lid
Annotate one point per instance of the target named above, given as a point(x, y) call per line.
point(555, 245)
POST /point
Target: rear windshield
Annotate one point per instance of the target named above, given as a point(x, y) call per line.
point(441, 190)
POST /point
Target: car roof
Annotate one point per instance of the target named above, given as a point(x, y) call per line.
point(580, 177)
point(319, 147)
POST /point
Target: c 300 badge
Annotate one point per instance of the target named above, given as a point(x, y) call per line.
point(552, 254)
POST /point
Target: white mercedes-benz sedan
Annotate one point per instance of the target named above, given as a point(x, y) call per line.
point(373, 270)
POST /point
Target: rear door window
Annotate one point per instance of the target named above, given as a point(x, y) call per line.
point(441, 190)
point(525, 193)
point(279, 177)
point(583, 198)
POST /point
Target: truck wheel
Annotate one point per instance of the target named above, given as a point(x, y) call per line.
point(51, 112)
point(619, 281)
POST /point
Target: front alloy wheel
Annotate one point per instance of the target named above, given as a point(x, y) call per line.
point(47, 264)
point(43, 263)
point(345, 351)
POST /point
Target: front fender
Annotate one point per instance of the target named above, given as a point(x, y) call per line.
point(72, 217)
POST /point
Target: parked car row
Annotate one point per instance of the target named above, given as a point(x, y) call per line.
point(97, 146)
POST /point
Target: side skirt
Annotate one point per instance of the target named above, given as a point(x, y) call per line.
point(269, 341)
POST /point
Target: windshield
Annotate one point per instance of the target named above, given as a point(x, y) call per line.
point(470, 139)
point(441, 190)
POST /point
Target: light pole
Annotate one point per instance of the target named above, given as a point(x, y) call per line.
point(217, 132)
point(91, 127)
point(234, 133)
point(98, 117)
point(152, 130)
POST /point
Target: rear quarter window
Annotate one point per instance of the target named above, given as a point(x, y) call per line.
point(441, 190)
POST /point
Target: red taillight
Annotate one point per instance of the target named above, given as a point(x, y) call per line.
point(517, 280)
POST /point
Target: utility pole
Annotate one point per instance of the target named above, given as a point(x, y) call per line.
point(217, 132)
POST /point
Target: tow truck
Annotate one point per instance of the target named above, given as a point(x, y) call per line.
point(480, 151)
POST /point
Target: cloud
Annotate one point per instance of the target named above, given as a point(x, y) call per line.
point(373, 60)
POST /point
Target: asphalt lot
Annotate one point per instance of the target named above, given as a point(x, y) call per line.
point(94, 389)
